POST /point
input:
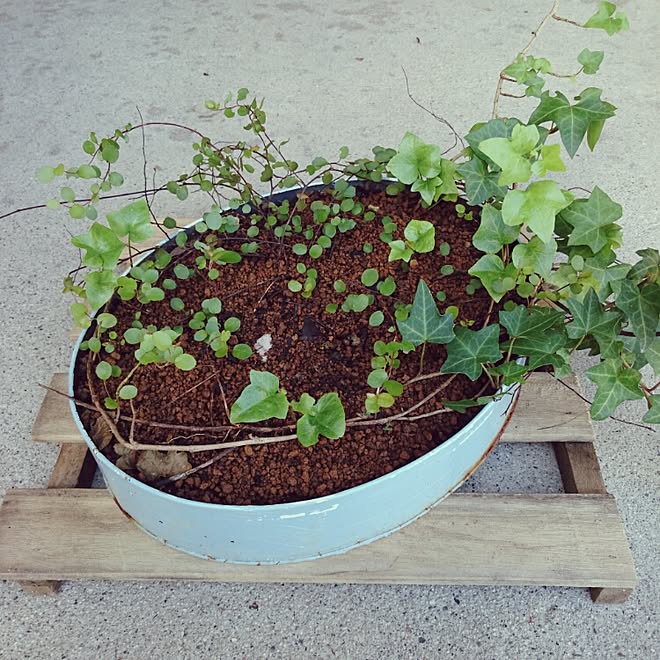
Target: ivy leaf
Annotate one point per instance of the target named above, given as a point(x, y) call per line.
point(616, 383)
point(573, 121)
point(608, 18)
point(537, 206)
point(99, 286)
point(133, 221)
point(538, 334)
point(652, 416)
point(605, 272)
point(509, 153)
point(495, 276)
point(495, 128)
point(522, 321)
point(591, 218)
point(470, 349)
point(641, 305)
point(399, 250)
point(420, 234)
point(480, 184)
point(425, 323)
point(652, 355)
point(415, 159)
point(550, 161)
point(101, 245)
point(493, 234)
point(261, 399)
point(325, 417)
point(591, 60)
point(648, 267)
point(535, 256)
point(590, 318)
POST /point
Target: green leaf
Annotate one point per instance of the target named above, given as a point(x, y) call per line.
point(127, 392)
point(185, 362)
point(393, 387)
point(376, 319)
point(605, 272)
point(133, 221)
point(103, 370)
point(573, 121)
point(212, 305)
point(399, 250)
point(493, 234)
point(652, 416)
point(641, 305)
point(261, 399)
point(509, 153)
point(425, 323)
point(592, 219)
point(420, 235)
point(608, 18)
point(109, 150)
point(470, 349)
point(369, 277)
point(538, 334)
point(376, 378)
point(102, 247)
point(616, 383)
point(45, 174)
point(495, 276)
point(495, 128)
point(241, 351)
point(591, 60)
point(590, 318)
point(537, 206)
point(415, 159)
point(550, 161)
point(652, 355)
point(648, 267)
point(100, 285)
point(480, 184)
point(323, 418)
point(535, 256)
point(356, 302)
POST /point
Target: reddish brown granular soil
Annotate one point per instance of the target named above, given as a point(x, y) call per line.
point(312, 351)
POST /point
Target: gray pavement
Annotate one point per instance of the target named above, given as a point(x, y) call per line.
point(331, 73)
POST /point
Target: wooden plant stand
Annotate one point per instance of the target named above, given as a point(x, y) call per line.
point(70, 531)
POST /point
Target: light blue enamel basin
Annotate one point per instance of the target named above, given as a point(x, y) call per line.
point(300, 531)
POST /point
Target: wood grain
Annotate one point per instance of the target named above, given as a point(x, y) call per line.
point(546, 411)
point(566, 540)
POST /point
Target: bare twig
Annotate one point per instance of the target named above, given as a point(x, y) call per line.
point(523, 52)
point(616, 419)
point(442, 120)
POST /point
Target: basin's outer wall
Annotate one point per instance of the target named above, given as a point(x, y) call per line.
point(299, 531)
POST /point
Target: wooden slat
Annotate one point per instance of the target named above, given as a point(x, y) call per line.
point(579, 468)
point(75, 467)
point(568, 540)
point(546, 411)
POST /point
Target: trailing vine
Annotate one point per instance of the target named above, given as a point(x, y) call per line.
point(548, 258)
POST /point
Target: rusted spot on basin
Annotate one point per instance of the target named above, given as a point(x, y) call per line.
point(121, 508)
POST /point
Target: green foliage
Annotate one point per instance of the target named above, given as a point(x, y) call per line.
point(574, 121)
point(616, 383)
point(260, 400)
point(133, 221)
point(324, 417)
point(470, 349)
point(493, 234)
point(425, 323)
point(608, 18)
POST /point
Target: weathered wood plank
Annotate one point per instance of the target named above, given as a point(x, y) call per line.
point(75, 467)
point(567, 540)
point(579, 467)
point(546, 411)
point(607, 596)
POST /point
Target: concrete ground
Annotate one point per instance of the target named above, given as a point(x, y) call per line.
point(331, 73)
